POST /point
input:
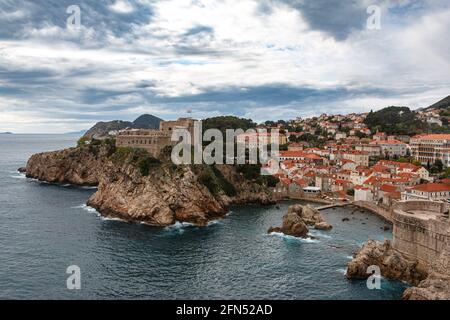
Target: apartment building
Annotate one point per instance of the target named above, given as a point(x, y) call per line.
point(430, 147)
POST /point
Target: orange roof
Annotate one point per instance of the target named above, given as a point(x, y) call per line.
point(387, 142)
point(286, 181)
point(341, 181)
point(432, 187)
point(388, 188)
point(301, 182)
point(313, 156)
point(294, 154)
point(440, 136)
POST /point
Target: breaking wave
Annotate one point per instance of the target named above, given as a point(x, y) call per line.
point(288, 237)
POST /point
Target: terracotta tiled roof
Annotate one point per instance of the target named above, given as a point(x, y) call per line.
point(294, 154)
point(433, 137)
point(388, 188)
point(432, 187)
point(387, 142)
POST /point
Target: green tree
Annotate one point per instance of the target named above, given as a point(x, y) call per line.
point(439, 165)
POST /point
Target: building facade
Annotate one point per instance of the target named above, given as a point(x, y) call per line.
point(431, 147)
point(391, 147)
point(153, 140)
point(428, 191)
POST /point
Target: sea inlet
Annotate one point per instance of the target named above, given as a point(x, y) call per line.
point(46, 228)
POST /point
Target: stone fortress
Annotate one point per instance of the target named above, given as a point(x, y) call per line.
point(421, 230)
point(153, 140)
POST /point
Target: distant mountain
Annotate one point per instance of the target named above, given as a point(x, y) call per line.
point(147, 121)
point(442, 104)
point(102, 129)
point(6, 132)
point(81, 132)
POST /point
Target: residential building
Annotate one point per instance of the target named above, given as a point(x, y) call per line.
point(391, 147)
point(431, 147)
point(428, 191)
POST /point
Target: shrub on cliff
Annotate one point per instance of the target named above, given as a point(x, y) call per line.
point(146, 163)
point(213, 179)
point(224, 184)
point(250, 171)
point(134, 156)
point(270, 181)
point(82, 141)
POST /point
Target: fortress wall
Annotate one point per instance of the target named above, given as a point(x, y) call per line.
point(420, 237)
point(383, 213)
point(153, 143)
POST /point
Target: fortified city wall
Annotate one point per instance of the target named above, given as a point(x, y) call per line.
point(421, 230)
point(153, 140)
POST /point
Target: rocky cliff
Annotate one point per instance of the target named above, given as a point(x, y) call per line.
point(135, 187)
point(437, 285)
point(391, 263)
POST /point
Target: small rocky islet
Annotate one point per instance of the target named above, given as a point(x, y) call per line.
point(298, 218)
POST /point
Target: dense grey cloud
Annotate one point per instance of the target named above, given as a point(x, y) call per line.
point(21, 18)
point(265, 59)
point(337, 18)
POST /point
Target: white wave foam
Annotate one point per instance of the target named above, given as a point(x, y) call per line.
point(349, 257)
point(110, 218)
point(18, 176)
point(343, 271)
point(319, 234)
point(285, 236)
point(89, 187)
point(87, 208)
point(179, 226)
point(214, 222)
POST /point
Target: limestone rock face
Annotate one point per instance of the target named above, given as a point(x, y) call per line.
point(437, 285)
point(166, 195)
point(391, 263)
point(297, 219)
point(161, 199)
point(79, 166)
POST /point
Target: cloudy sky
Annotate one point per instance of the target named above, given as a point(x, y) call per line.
point(265, 59)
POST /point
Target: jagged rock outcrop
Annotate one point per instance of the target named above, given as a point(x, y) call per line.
point(293, 225)
point(437, 285)
point(134, 187)
point(297, 219)
point(391, 263)
point(79, 166)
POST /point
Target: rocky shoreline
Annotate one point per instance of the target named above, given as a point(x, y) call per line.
point(432, 285)
point(136, 188)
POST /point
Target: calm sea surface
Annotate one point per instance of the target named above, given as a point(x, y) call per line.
point(45, 228)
